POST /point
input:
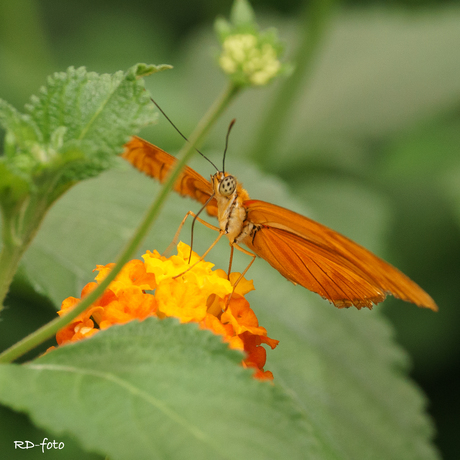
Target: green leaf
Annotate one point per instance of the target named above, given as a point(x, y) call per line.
point(144, 70)
point(347, 372)
point(86, 103)
point(99, 112)
point(19, 428)
point(160, 389)
point(21, 128)
point(76, 126)
point(78, 122)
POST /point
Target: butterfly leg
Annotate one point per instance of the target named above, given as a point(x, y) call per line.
point(230, 262)
point(176, 236)
point(250, 263)
point(221, 233)
point(244, 271)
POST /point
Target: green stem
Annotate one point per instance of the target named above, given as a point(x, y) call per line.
point(15, 241)
point(19, 227)
point(9, 261)
point(313, 24)
point(50, 329)
point(213, 114)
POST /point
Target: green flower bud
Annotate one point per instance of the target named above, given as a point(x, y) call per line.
point(246, 58)
point(249, 57)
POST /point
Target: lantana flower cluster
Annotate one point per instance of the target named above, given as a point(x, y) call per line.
point(149, 288)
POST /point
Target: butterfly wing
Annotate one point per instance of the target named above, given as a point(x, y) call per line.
point(156, 163)
point(323, 261)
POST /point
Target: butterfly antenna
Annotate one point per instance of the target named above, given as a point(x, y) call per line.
point(177, 129)
point(230, 126)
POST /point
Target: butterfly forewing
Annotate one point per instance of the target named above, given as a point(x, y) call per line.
point(156, 163)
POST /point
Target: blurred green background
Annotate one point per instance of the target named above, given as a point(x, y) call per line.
point(371, 140)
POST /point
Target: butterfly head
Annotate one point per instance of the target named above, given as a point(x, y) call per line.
point(224, 184)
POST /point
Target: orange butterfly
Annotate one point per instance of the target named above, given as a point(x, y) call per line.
point(302, 250)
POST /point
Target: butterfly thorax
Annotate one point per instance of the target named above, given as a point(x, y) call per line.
point(230, 196)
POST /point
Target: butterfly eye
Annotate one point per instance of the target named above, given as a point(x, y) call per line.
point(227, 186)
